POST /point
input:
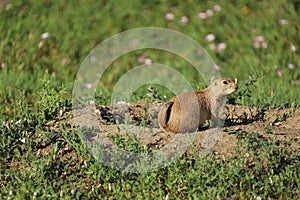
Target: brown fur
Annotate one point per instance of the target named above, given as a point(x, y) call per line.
point(186, 111)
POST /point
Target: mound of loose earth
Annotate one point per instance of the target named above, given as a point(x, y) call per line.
point(139, 121)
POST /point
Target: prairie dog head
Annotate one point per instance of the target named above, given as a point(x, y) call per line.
point(223, 86)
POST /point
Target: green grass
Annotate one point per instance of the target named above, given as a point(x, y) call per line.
point(37, 76)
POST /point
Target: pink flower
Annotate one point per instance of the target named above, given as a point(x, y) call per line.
point(202, 15)
point(293, 48)
point(291, 66)
point(148, 61)
point(141, 59)
point(283, 22)
point(209, 13)
point(88, 85)
point(170, 16)
point(279, 73)
point(184, 20)
point(210, 37)
point(221, 47)
point(65, 61)
point(217, 67)
point(259, 39)
point(217, 8)
point(45, 35)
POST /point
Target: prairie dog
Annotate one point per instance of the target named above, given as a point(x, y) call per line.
point(186, 111)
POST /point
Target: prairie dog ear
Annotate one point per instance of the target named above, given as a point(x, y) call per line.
point(168, 111)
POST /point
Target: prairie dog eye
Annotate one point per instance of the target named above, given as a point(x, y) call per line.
point(225, 82)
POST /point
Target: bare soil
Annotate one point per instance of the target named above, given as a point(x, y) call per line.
point(139, 120)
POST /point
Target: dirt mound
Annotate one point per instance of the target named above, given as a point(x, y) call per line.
point(139, 121)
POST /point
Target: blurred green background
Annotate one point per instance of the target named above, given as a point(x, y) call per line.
point(260, 40)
